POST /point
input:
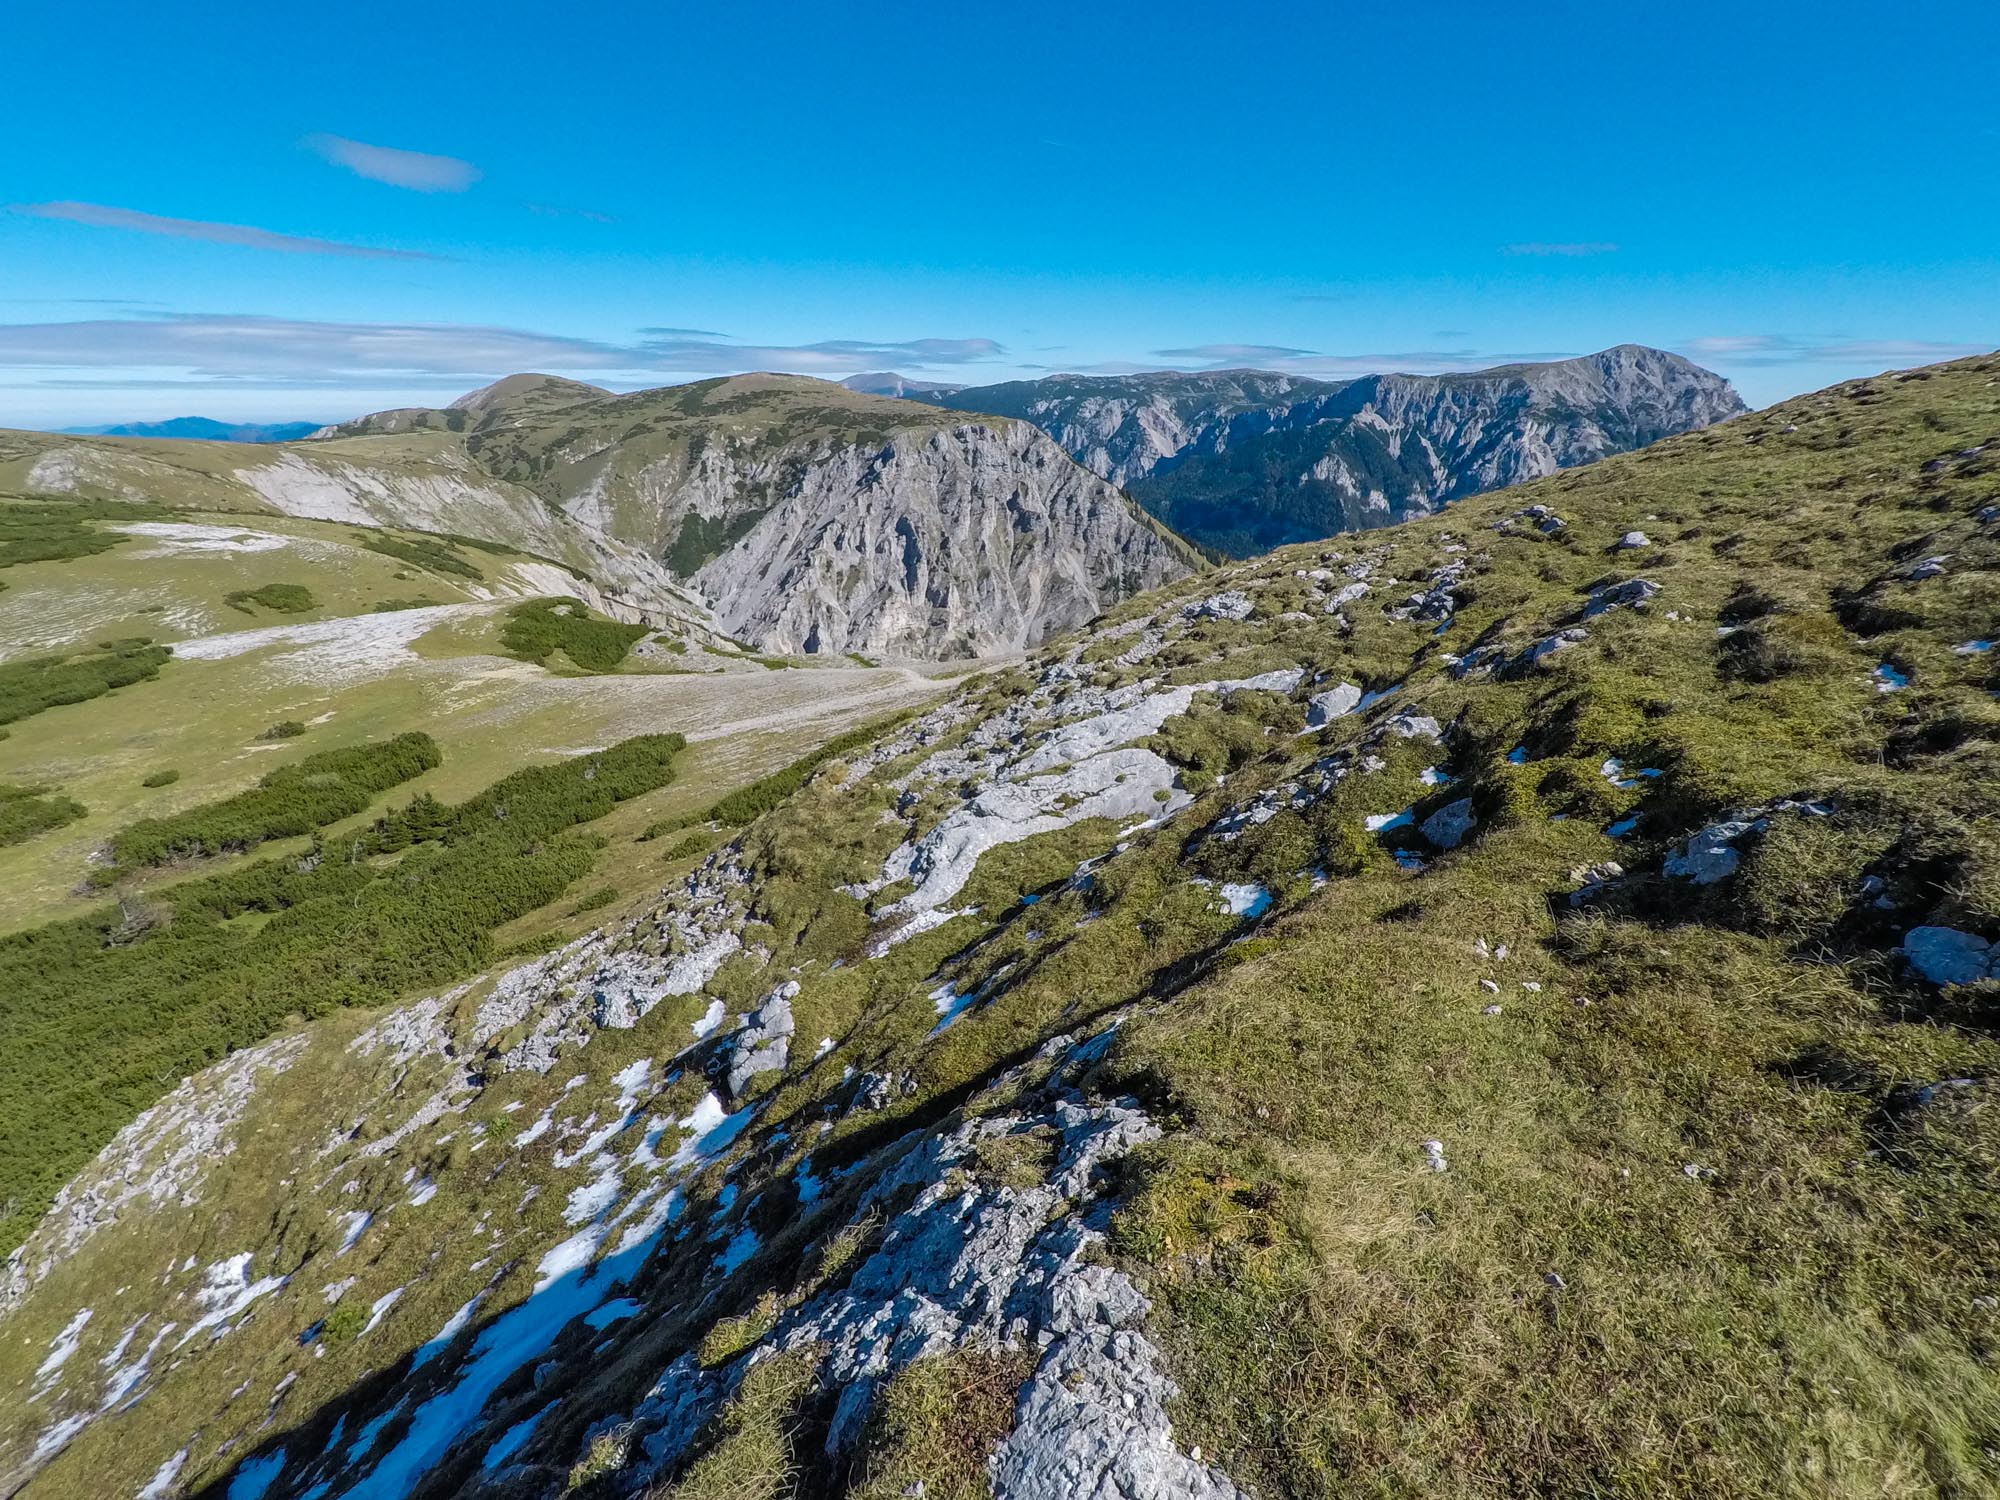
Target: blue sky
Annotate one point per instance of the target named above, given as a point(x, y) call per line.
point(307, 212)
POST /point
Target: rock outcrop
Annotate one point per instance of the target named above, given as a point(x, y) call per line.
point(1246, 460)
point(1126, 428)
point(821, 520)
point(976, 540)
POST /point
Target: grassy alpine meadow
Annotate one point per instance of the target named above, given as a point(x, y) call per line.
point(106, 645)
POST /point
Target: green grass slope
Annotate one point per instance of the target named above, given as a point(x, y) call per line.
point(1484, 1167)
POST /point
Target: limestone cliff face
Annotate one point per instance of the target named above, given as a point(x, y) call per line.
point(817, 519)
point(978, 539)
point(1126, 427)
point(1246, 460)
point(813, 518)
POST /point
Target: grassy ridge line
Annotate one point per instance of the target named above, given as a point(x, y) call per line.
point(293, 799)
point(109, 1010)
point(1717, 1216)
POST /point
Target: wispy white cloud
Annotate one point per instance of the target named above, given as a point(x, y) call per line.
point(102, 216)
point(1783, 349)
point(1570, 248)
point(1240, 354)
point(419, 171)
point(241, 349)
point(671, 349)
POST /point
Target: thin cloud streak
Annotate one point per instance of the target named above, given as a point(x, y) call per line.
point(1772, 349)
point(243, 348)
point(419, 171)
point(1571, 249)
point(1233, 353)
point(829, 357)
point(103, 216)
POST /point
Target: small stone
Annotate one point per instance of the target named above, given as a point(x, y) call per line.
point(1335, 702)
point(1489, 986)
point(1632, 540)
point(1434, 1155)
point(1448, 826)
point(1554, 1280)
point(1634, 593)
point(1490, 1010)
point(1944, 955)
point(1710, 855)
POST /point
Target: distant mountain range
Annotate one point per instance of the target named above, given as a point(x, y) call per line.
point(205, 429)
point(938, 522)
point(1241, 461)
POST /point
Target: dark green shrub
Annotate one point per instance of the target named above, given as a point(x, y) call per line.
point(743, 807)
point(26, 811)
point(161, 778)
point(689, 846)
point(595, 900)
point(59, 532)
point(284, 729)
point(345, 1322)
point(293, 799)
point(285, 598)
point(39, 682)
point(425, 552)
point(105, 1013)
point(1350, 849)
point(535, 631)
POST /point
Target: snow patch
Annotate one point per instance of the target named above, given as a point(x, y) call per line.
point(226, 1291)
point(62, 1347)
point(162, 1483)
